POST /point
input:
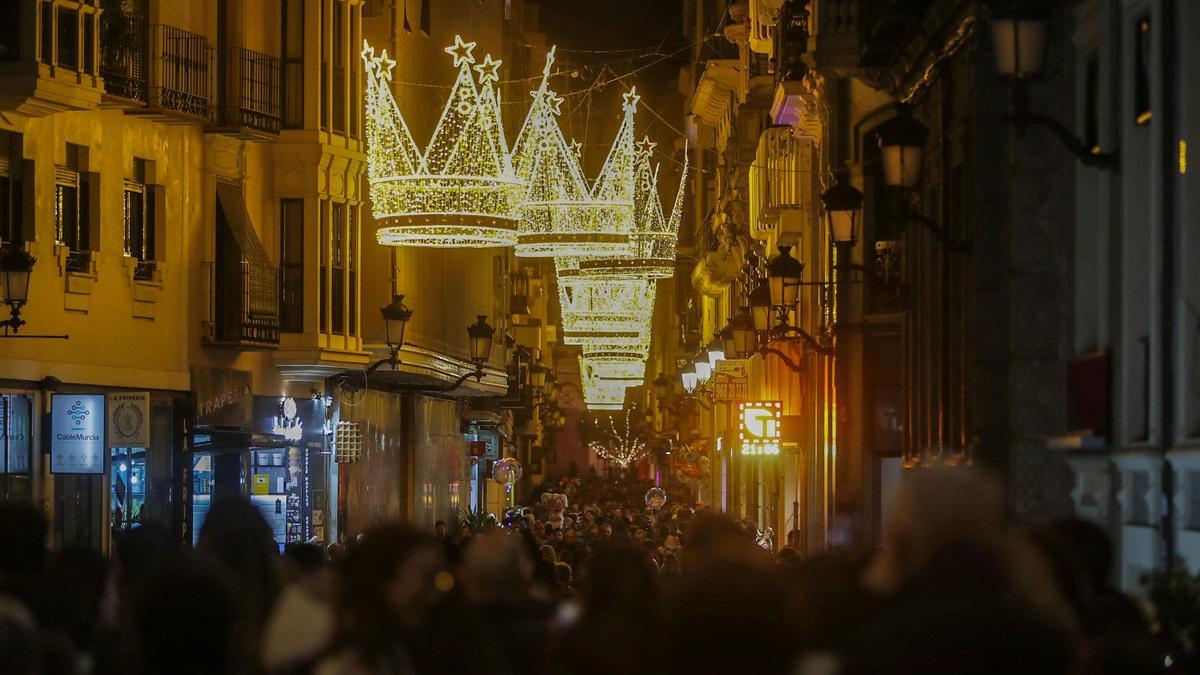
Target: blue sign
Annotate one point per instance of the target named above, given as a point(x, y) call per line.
point(77, 433)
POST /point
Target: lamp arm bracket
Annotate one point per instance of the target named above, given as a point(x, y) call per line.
point(1021, 119)
point(940, 233)
point(867, 271)
point(812, 342)
point(787, 361)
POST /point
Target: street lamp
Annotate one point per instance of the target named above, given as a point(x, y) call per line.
point(760, 308)
point(742, 333)
point(551, 386)
point(688, 376)
point(716, 352)
point(1019, 32)
point(702, 367)
point(662, 388)
point(537, 376)
point(902, 146)
point(784, 277)
point(395, 319)
point(16, 265)
point(843, 202)
point(519, 305)
point(1019, 37)
point(480, 336)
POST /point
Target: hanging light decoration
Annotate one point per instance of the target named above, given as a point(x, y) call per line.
point(623, 447)
point(463, 192)
point(560, 216)
point(651, 253)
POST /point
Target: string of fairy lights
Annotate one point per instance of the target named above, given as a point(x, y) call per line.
point(610, 240)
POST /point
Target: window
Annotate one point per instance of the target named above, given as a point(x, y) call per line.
point(89, 43)
point(10, 31)
point(68, 38)
point(337, 285)
point(1193, 492)
point(1139, 498)
point(141, 220)
point(47, 38)
point(1091, 104)
point(1142, 59)
point(291, 260)
point(324, 281)
point(339, 66)
point(12, 189)
point(293, 64)
point(425, 11)
point(355, 110)
point(404, 8)
point(352, 270)
point(72, 210)
point(324, 68)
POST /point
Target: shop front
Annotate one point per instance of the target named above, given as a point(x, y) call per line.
point(99, 459)
point(267, 449)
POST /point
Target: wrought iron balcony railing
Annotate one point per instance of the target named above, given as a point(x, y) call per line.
point(124, 54)
point(243, 308)
point(251, 91)
point(180, 72)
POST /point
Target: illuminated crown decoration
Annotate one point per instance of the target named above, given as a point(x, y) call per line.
point(599, 392)
point(463, 191)
point(651, 253)
point(560, 216)
point(617, 312)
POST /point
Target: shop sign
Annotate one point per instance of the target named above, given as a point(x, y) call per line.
point(223, 397)
point(77, 433)
point(299, 422)
point(731, 380)
point(129, 420)
point(759, 430)
point(14, 424)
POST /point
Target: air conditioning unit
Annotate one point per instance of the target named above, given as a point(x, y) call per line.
point(792, 222)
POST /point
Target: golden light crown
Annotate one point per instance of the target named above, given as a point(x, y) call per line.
point(652, 244)
point(463, 190)
point(560, 215)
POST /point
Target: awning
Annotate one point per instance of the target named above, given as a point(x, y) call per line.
point(237, 220)
point(261, 275)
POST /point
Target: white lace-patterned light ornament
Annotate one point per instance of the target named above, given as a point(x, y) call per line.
point(463, 192)
point(623, 447)
point(600, 393)
point(652, 245)
point(617, 313)
point(559, 216)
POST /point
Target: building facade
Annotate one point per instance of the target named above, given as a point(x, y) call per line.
point(190, 178)
point(1016, 297)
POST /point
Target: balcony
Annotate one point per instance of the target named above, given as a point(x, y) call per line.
point(124, 56)
point(243, 307)
point(49, 53)
point(249, 90)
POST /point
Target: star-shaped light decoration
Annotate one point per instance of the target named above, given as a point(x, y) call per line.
point(577, 148)
point(489, 70)
point(646, 146)
point(555, 102)
point(461, 51)
point(631, 100)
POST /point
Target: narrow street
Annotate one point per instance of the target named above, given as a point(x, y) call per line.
point(565, 337)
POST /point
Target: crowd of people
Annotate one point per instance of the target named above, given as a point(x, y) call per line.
point(588, 580)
